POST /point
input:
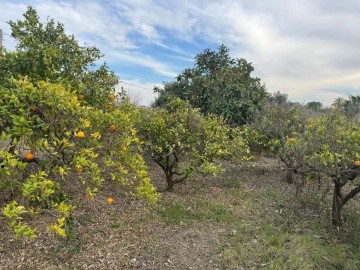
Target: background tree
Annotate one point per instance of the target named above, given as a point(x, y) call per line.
point(350, 106)
point(314, 105)
point(278, 98)
point(218, 84)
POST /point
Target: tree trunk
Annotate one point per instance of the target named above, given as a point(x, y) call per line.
point(289, 175)
point(170, 182)
point(337, 205)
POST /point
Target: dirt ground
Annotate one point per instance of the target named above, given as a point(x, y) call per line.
point(244, 218)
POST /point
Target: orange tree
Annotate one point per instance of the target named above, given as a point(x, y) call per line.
point(45, 52)
point(333, 149)
point(59, 123)
point(277, 127)
point(68, 141)
point(181, 141)
point(323, 147)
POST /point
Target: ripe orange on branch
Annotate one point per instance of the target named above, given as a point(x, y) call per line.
point(111, 96)
point(112, 127)
point(29, 156)
point(80, 135)
point(357, 163)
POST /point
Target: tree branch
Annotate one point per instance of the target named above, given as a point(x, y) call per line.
point(350, 195)
point(180, 180)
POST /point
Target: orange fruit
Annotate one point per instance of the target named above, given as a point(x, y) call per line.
point(111, 96)
point(123, 149)
point(109, 200)
point(357, 163)
point(80, 135)
point(29, 156)
point(78, 169)
point(112, 127)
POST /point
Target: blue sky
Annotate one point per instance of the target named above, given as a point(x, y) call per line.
point(308, 49)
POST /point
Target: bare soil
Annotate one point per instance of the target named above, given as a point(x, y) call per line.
point(244, 218)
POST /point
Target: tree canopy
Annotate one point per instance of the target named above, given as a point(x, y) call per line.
point(218, 84)
point(314, 105)
point(61, 125)
point(45, 52)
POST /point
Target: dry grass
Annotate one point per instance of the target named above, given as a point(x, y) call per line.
point(245, 218)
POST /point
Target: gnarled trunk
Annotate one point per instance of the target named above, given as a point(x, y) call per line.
point(336, 205)
point(170, 182)
point(338, 199)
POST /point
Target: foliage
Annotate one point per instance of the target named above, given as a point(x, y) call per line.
point(350, 106)
point(180, 140)
point(49, 132)
point(317, 146)
point(59, 113)
point(314, 105)
point(279, 125)
point(278, 98)
point(333, 143)
point(218, 84)
point(45, 52)
point(14, 213)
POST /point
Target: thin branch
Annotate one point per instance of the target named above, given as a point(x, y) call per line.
point(158, 162)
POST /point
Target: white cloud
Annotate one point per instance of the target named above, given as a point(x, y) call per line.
point(304, 48)
point(145, 61)
point(300, 53)
point(89, 21)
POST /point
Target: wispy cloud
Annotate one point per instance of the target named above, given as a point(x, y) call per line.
point(304, 48)
point(146, 61)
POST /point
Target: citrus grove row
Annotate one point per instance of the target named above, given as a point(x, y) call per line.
point(62, 122)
